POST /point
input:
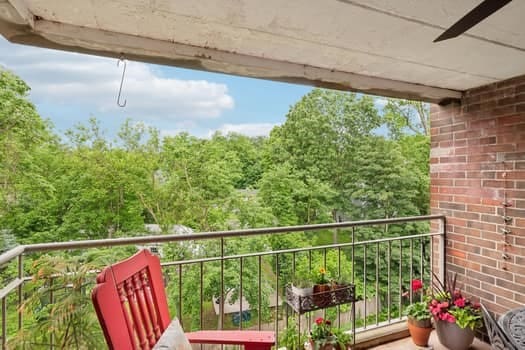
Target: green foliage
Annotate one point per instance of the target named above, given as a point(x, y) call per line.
point(467, 317)
point(24, 136)
point(68, 318)
point(404, 117)
point(317, 142)
point(418, 310)
point(294, 198)
point(249, 152)
point(380, 185)
point(290, 336)
point(7, 240)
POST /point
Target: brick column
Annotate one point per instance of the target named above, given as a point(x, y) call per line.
point(477, 161)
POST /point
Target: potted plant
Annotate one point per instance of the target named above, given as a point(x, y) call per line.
point(321, 286)
point(455, 317)
point(325, 337)
point(340, 288)
point(419, 316)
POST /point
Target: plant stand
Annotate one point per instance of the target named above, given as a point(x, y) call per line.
point(341, 294)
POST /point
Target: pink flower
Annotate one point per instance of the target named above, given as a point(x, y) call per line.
point(416, 285)
point(319, 320)
point(450, 318)
point(460, 302)
point(443, 305)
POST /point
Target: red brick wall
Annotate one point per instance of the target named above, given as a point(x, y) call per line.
point(477, 159)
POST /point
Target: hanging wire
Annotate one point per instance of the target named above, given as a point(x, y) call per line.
point(507, 220)
point(121, 82)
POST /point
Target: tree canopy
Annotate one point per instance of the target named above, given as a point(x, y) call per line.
point(331, 160)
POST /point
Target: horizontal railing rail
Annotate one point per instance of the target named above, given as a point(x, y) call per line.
point(297, 250)
point(382, 301)
point(43, 247)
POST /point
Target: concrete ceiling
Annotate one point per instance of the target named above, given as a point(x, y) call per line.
point(381, 47)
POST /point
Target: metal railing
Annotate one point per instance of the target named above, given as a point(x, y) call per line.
point(406, 251)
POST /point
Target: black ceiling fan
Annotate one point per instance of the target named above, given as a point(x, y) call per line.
point(478, 14)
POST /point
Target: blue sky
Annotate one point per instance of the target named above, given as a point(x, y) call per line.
point(69, 88)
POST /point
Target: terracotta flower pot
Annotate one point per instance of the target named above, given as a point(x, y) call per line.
point(322, 296)
point(453, 337)
point(419, 331)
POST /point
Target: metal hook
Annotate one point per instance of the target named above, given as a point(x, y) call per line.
point(121, 82)
point(506, 231)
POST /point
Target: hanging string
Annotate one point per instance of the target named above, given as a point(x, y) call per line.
point(507, 220)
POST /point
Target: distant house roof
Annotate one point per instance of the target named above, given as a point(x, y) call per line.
point(175, 229)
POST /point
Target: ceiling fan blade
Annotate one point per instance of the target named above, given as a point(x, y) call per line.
point(478, 14)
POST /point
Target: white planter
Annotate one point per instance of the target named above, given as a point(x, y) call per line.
point(302, 291)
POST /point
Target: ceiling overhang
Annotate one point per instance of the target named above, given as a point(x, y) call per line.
point(280, 44)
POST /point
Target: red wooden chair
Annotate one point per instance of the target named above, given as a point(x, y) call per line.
point(132, 309)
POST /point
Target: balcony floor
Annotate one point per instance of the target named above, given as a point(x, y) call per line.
point(406, 344)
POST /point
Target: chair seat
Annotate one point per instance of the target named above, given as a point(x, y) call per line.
point(263, 338)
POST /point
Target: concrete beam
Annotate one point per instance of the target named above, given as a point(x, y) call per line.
point(15, 12)
point(44, 33)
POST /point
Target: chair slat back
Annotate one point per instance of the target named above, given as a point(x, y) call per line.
point(130, 302)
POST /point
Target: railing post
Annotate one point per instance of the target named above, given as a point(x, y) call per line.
point(51, 301)
point(443, 249)
point(20, 290)
point(222, 295)
point(4, 325)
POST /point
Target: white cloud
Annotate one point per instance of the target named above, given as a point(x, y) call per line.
point(91, 82)
point(254, 129)
point(380, 102)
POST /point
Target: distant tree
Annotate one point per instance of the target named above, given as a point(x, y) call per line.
point(317, 142)
point(194, 183)
point(408, 122)
point(25, 142)
point(319, 131)
point(380, 185)
point(97, 180)
point(404, 117)
point(295, 198)
point(22, 130)
point(249, 153)
point(416, 151)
